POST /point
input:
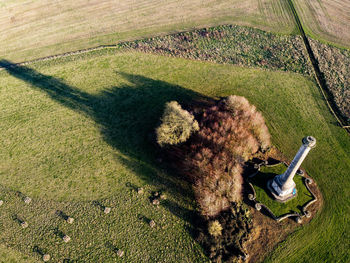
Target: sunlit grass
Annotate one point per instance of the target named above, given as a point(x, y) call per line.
point(80, 129)
point(263, 195)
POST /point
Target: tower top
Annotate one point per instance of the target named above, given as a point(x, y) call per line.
point(309, 141)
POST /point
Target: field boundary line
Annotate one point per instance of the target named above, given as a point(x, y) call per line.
point(321, 82)
point(66, 54)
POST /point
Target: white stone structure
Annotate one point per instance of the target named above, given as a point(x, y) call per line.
point(282, 186)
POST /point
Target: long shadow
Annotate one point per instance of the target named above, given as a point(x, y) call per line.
point(127, 115)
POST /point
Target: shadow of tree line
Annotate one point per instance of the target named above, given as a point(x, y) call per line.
point(127, 116)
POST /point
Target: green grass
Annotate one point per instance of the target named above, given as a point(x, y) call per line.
point(76, 129)
point(263, 195)
point(12, 256)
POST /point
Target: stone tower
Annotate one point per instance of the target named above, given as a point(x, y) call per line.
point(282, 186)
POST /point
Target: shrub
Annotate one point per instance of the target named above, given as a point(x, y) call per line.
point(177, 125)
point(240, 108)
point(215, 192)
point(231, 243)
point(215, 228)
point(230, 133)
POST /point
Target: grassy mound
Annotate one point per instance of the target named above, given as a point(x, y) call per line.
point(263, 195)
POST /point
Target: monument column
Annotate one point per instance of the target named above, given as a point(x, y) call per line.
point(282, 186)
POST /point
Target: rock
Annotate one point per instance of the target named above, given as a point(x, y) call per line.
point(152, 223)
point(140, 191)
point(70, 220)
point(163, 196)
point(307, 214)
point(309, 180)
point(156, 194)
point(1, 202)
point(27, 200)
point(298, 220)
point(155, 202)
point(120, 253)
point(251, 197)
point(46, 257)
point(24, 224)
point(107, 210)
point(66, 238)
point(258, 206)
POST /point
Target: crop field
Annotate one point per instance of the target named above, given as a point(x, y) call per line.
point(75, 136)
point(327, 20)
point(32, 29)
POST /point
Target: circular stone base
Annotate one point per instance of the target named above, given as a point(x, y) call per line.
point(281, 199)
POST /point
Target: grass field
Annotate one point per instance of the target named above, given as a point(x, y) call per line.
point(32, 29)
point(326, 20)
point(76, 130)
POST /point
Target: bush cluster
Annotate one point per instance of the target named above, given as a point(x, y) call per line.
point(215, 228)
point(177, 125)
point(229, 134)
point(229, 245)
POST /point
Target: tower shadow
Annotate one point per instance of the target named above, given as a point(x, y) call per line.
point(127, 115)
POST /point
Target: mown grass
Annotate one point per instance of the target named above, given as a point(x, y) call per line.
point(263, 195)
point(77, 130)
point(32, 29)
point(326, 20)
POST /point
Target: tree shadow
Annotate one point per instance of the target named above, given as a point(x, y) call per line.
point(126, 115)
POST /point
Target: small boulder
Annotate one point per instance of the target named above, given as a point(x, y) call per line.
point(1, 202)
point(70, 220)
point(298, 220)
point(309, 180)
point(46, 257)
point(24, 224)
point(66, 238)
point(155, 201)
point(27, 199)
point(307, 214)
point(163, 196)
point(152, 223)
point(120, 253)
point(258, 206)
point(140, 191)
point(107, 210)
